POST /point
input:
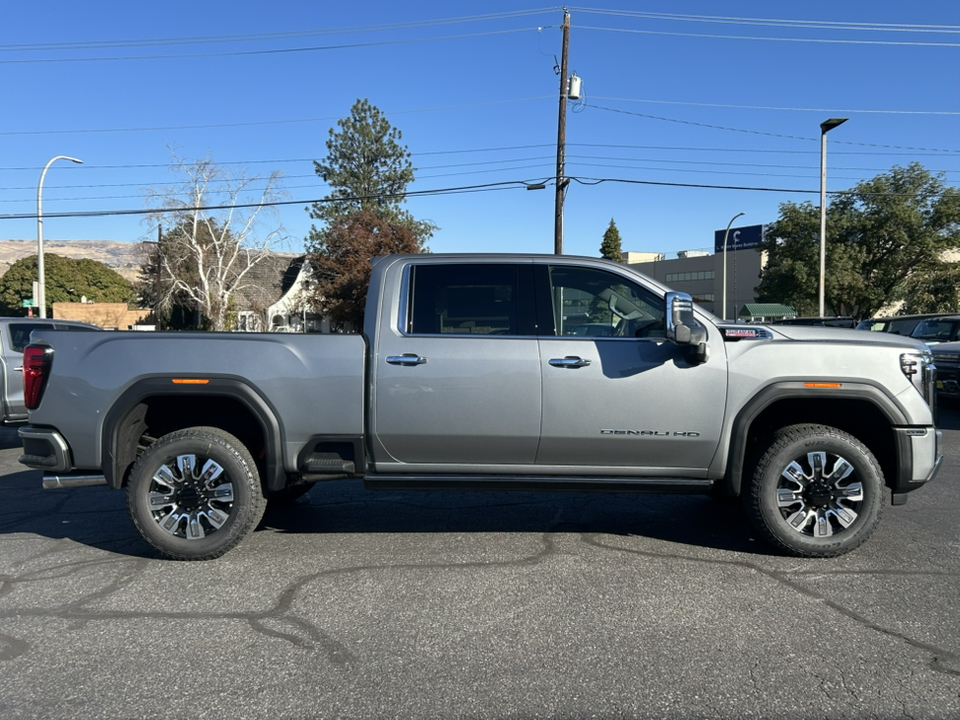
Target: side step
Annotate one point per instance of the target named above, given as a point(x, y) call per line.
point(328, 464)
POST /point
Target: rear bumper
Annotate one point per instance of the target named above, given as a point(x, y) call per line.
point(45, 449)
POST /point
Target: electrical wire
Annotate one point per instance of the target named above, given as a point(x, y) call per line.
point(486, 187)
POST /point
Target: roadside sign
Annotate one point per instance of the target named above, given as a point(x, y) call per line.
point(740, 238)
point(28, 303)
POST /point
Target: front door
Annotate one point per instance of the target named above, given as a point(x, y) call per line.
point(616, 395)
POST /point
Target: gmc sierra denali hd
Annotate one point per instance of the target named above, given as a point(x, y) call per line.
point(471, 373)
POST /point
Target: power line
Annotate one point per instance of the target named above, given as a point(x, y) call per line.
point(826, 41)
point(788, 109)
point(267, 122)
point(683, 148)
point(273, 51)
point(759, 132)
point(487, 187)
point(213, 39)
point(817, 24)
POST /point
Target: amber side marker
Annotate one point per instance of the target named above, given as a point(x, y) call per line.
point(191, 381)
point(824, 386)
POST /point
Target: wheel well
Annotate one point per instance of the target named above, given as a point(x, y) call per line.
point(154, 417)
point(860, 418)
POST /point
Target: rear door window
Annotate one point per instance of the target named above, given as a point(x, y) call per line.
point(470, 300)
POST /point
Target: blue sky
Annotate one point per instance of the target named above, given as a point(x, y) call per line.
point(692, 111)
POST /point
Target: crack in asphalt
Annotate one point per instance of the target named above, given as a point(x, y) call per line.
point(278, 622)
point(309, 634)
point(943, 661)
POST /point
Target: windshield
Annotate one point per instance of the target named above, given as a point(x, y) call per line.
point(937, 329)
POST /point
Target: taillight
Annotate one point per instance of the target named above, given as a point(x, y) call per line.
point(37, 360)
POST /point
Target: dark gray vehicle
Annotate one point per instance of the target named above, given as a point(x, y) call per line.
point(471, 373)
point(898, 324)
point(14, 337)
point(947, 357)
point(939, 329)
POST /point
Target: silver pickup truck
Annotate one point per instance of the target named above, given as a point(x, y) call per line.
point(474, 372)
point(14, 337)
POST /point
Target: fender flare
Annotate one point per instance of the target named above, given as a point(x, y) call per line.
point(115, 437)
point(797, 389)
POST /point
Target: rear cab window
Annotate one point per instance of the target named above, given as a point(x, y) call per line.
point(482, 299)
point(19, 333)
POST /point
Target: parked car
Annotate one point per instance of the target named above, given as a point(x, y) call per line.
point(14, 337)
point(939, 329)
point(898, 324)
point(946, 356)
point(840, 321)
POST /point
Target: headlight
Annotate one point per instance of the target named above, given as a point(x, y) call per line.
point(920, 370)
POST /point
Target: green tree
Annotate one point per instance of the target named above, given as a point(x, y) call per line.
point(343, 270)
point(368, 171)
point(65, 280)
point(885, 238)
point(611, 247)
point(366, 167)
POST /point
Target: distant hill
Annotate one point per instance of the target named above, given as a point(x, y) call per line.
point(124, 258)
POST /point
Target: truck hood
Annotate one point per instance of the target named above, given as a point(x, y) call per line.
point(814, 333)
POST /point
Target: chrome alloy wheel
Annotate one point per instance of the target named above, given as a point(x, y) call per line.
point(817, 495)
point(191, 497)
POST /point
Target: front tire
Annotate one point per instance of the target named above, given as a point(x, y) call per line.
point(194, 494)
point(816, 491)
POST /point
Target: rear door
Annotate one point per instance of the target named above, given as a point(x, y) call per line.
point(627, 400)
point(457, 374)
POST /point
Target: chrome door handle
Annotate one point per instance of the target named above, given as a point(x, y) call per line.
point(406, 359)
point(571, 361)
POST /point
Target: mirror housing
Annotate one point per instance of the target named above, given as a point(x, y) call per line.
point(683, 328)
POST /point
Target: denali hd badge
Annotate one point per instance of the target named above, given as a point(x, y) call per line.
point(651, 433)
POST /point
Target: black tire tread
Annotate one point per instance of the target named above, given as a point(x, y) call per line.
point(247, 519)
point(778, 442)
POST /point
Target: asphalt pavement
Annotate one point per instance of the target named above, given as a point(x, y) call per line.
point(355, 604)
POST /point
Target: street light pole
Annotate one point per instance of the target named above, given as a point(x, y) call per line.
point(725, 234)
point(825, 127)
point(41, 286)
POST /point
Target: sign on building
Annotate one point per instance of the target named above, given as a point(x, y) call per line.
point(741, 238)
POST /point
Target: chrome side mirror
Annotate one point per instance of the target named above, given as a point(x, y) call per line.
point(683, 328)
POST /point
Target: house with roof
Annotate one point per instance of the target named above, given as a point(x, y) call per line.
point(274, 297)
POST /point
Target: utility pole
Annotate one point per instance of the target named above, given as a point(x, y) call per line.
point(561, 139)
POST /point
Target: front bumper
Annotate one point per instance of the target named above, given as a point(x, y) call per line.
point(921, 454)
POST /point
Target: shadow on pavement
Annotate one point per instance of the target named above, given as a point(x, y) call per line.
point(97, 516)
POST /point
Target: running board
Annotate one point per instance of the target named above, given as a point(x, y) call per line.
point(537, 482)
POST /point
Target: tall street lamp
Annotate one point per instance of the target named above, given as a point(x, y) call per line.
point(825, 127)
point(41, 287)
point(725, 235)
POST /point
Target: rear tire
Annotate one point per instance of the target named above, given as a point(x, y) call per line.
point(194, 494)
point(816, 491)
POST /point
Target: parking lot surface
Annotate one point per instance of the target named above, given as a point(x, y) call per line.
point(354, 604)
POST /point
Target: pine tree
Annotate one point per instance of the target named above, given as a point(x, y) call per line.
point(611, 247)
point(368, 171)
